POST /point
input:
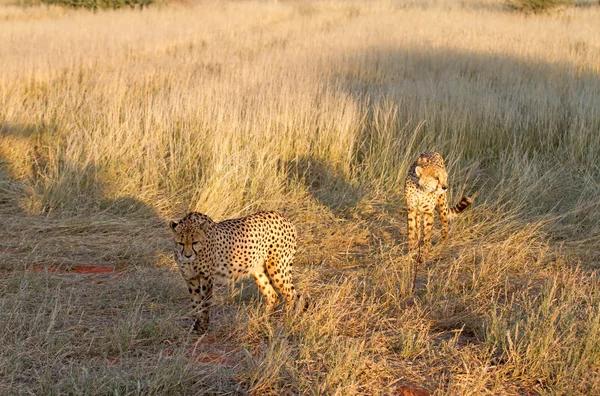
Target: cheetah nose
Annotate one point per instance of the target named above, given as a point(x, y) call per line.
point(187, 255)
point(444, 187)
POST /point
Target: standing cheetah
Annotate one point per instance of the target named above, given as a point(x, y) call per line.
point(424, 190)
point(262, 245)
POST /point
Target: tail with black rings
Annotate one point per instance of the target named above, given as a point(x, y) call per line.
point(463, 204)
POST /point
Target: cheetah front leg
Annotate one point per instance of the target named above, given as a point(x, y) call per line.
point(414, 229)
point(201, 289)
point(442, 206)
point(427, 230)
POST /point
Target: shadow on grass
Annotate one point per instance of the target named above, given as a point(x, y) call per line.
point(59, 214)
point(503, 123)
point(73, 280)
point(327, 185)
point(491, 102)
point(521, 127)
point(499, 121)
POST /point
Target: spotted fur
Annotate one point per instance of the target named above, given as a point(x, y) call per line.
point(261, 245)
point(424, 191)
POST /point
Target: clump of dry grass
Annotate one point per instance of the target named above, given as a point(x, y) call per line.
point(113, 122)
point(537, 6)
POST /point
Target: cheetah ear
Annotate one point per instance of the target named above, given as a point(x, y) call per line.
point(172, 224)
point(418, 171)
point(204, 225)
point(423, 160)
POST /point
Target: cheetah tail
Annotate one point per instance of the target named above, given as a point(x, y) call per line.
point(464, 203)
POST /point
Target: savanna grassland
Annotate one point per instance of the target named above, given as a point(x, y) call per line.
point(112, 123)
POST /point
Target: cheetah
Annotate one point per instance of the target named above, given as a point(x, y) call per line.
point(262, 245)
point(425, 190)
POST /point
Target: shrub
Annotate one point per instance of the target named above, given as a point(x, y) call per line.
point(99, 4)
point(537, 6)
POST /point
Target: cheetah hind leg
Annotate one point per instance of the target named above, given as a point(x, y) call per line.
point(280, 272)
point(266, 288)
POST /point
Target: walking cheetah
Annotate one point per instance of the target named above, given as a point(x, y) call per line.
point(424, 190)
point(262, 245)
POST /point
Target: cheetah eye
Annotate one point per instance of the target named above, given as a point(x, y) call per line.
point(180, 243)
point(195, 243)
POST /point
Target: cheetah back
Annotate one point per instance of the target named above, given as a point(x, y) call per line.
point(242, 245)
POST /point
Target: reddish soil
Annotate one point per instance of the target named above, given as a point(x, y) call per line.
point(9, 251)
point(76, 269)
point(215, 352)
point(209, 351)
point(410, 391)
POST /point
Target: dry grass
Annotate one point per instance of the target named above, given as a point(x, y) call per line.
point(113, 122)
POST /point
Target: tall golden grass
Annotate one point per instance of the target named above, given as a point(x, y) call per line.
point(112, 122)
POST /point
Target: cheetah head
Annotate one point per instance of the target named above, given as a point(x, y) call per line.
point(432, 178)
point(190, 236)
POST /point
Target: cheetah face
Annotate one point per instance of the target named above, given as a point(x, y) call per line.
point(189, 240)
point(432, 179)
